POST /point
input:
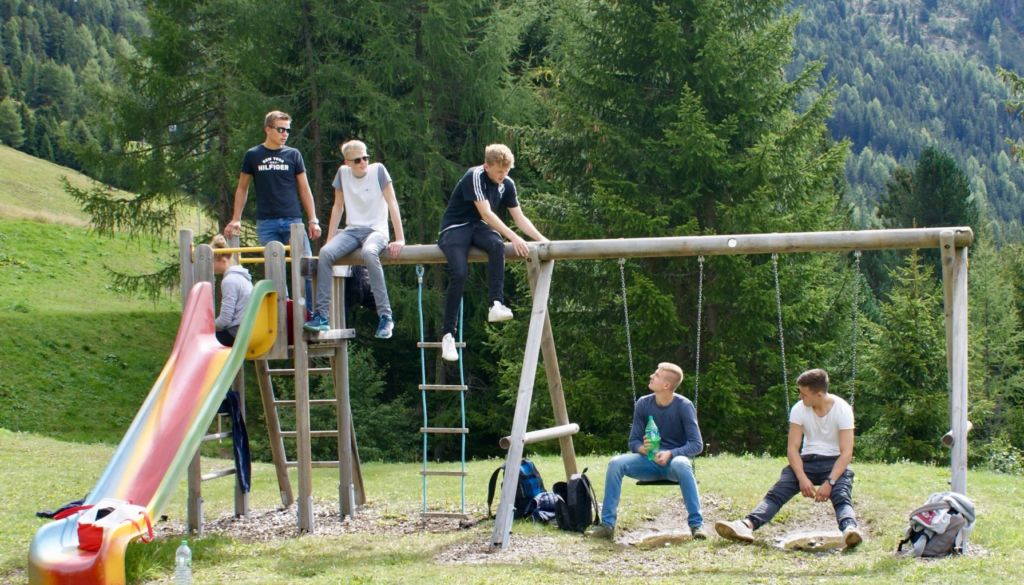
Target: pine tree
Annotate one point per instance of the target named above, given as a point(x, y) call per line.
point(904, 403)
point(937, 194)
point(677, 119)
point(11, 132)
point(180, 125)
point(997, 343)
point(1014, 105)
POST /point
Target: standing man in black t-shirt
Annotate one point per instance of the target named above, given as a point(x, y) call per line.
point(471, 220)
point(279, 175)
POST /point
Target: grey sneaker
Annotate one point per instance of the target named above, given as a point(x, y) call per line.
point(852, 536)
point(600, 531)
point(699, 532)
point(385, 327)
point(734, 530)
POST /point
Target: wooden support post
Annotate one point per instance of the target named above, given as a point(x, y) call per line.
point(503, 521)
point(554, 377)
point(958, 381)
point(274, 270)
point(241, 496)
point(954, 290)
point(202, 270)
point(300, 353)
point(947, 252)
point(346, 483)
point(186, 273)
point(193, 502)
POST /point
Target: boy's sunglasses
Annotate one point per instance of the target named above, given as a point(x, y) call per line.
point(359, 159)
point(282, 129)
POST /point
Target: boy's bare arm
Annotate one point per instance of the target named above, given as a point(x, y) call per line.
point(525, 225)
point(234, 226)
point(395, 247)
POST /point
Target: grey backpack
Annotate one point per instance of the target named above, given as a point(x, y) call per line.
point(940, 527)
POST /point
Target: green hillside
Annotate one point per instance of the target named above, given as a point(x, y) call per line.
point(30, 188)
point(70, 347)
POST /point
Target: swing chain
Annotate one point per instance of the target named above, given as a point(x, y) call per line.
point(782, 337)
point(856, 310)
point(700, 313)
point(629, 340)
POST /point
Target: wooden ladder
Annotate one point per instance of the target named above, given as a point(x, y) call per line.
point(272, 404)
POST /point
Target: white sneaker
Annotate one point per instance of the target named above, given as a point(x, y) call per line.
point(499, 312)
point(734, 530)
point(448, 351)
point(852, 536)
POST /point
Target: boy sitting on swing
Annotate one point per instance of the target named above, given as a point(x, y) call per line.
point(676, 418)
point(823, 423)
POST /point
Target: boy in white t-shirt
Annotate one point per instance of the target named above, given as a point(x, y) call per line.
point(364, 193)
point(819, 450)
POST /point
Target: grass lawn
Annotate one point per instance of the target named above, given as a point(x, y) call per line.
point(68, 344)
point(44, 473)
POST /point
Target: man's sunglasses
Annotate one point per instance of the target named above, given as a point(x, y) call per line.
point(359, 159)
point(282, 129)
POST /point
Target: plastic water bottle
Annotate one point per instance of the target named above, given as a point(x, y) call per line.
point(652, 433)
point(183, 564)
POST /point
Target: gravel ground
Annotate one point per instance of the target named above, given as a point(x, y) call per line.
point(633, 553)
point(631, 546)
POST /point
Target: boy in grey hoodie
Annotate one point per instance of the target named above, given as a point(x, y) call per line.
point(235, 288)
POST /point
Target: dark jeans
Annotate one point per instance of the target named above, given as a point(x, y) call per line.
point(455, 244)
point(817, 468)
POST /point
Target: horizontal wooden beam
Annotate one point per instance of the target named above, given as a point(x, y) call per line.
point(728, 245)
point(542, 435)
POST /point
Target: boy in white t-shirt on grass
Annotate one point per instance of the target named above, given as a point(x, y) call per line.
point(819, 450)
point(364, 193)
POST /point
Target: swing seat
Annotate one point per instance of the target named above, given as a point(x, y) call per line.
point(657, 482)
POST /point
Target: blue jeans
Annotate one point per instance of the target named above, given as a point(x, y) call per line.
point(279, 229)
point(817, 468)
point(343, 243)
point(638, 467)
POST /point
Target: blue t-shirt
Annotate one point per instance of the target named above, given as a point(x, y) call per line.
point(474, 186)
point(676, 422)
point(273, 176)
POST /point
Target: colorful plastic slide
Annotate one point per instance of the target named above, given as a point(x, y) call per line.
point(161, 441)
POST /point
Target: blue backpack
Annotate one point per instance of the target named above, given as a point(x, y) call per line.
point(530, 485)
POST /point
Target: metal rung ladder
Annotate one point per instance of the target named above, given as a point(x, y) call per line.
point(426, 430)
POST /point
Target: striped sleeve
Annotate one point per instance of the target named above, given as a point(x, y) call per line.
point(478, 184)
